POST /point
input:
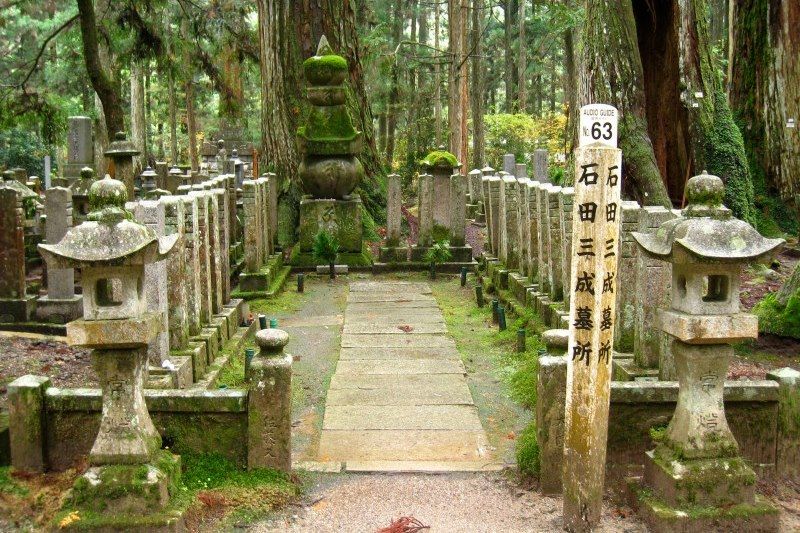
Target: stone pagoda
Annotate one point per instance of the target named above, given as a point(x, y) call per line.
point(695, 478)
point(330, 170)
point(130, 480)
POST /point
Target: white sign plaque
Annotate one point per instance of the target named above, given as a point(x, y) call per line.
point(598, 125)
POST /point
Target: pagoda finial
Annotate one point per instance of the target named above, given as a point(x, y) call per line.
point(323, 48)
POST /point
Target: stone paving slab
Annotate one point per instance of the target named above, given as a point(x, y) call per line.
point(411, 316)
point(402, 366)
point(396, 305)
point(412, 389)
point(400, 328)
point(388, 298)
point(397, 341)
point(320, 320)
point(430, 467)
point(382, 286)
point(399, 445)
point(395, 417)
point(354, 354)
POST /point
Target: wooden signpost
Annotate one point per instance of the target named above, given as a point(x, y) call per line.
point(593, 285)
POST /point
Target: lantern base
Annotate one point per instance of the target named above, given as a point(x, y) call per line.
point(17, 309)
point(702, 495)
point(59, 310)
point(130, 497)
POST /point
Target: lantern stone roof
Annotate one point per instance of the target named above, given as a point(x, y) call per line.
point(121, 147)
point(23, 190)
point(707, 230)
point(109, 236)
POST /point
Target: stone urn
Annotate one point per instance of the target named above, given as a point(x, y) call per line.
point(328, 141)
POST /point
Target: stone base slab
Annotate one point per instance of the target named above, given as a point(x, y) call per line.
point(625, 369)
point(17, 310)
point(255, 281)
point(459, 254)
point(179, 378)
point(393, 254)
point(126, 333)
point(707, 329)
point(58, 310)
point(325, 270)
point(758, 517)
point(340, 217)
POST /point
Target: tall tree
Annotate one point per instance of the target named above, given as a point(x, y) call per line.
point(510, 9)
point(478, 90)
point(522, 58)
point(764, 79)
point(398, 21)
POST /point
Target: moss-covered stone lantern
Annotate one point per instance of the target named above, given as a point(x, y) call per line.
point(129, 474)
point(330, 170)
point(80, 194)
point(122, 151)
point(697, 463)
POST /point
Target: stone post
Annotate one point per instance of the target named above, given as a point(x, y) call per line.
point(15, 304)
point(653, 284)
point(627, 296)
point(192, 253)
point(458, 209)
point(265, 234)
point(520, 171)
point(230, 184)
point(252, 261)
point(273, 206)
point(425, 237)
point(534, 251)
point(593, 282)
point(494, 209)
point(202, 241)
point(215, 253)
point(394, 204)
point(788, 453)
point(162, 170)
point(60, 304)
point(26, 414)
point(221, 195)
point(524, 225)
point(151, 213)
point(551, 387)
point(565, 201)
point(179, 273)
point(475, 187)
point(540, 172)
point(269, 403)
point(509, 228)
point(545, 279)
point(509, 164)
point(556, 253)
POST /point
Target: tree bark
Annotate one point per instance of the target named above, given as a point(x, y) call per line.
point(437, 77)
point(477, 87)
point(510, 8)
point(104, 85)
point(764, 68)
point(611, 72)
point(138, 120)
point(173, 118)
point(398, 21)
point(522, 64)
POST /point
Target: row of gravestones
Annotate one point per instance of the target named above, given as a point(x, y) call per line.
point(529, 239)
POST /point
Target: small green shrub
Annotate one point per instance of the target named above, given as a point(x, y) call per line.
point(779, 320)
point(528, 451)
point(325, 249)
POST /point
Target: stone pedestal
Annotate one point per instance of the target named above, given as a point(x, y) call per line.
point(341, 218)
point(269, 411)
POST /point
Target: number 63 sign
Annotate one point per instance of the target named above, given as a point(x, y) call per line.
point(598, 125)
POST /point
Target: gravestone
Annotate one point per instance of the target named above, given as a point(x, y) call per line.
point(509, 228)
point(15, 304)
point(458, 210)
point(509, 164)
point(534, 219)
point(539, 163)
point(80, 149)
point(61, 304)
point(121, 152)
point(393, 250)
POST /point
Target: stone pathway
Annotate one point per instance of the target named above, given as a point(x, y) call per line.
point(399, 399)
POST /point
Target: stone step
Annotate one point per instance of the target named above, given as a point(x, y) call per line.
point(403, 445)
point(428, 467)
point(399, 296)
point(389, 286)
point(397, 341)
point(401, 417)
point(401, 367)
point(412, 389)
point(394, 305)
point(398, 354)
point(400, 327)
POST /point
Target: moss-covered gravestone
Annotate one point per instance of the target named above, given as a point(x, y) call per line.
point(441, 165)
point(695, 478)
point(131, 481)
point(330, 170)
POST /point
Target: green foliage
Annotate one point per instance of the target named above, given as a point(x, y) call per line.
point(21, 148)
point(8, 485)
point(325, 247)
point(521, 134)
point(528, 451)
point(438, 253)
point(777, 319)
point(369, 230)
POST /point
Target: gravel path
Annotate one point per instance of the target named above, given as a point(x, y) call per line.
point(447, 503)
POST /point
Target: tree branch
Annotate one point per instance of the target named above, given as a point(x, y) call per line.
point(44, 46)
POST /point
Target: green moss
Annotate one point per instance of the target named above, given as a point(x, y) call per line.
point(439, 158)
point(8, 485)
point(779, 320)
point(353, 259)
point(322, 68)
point(328, 123)
point(658, 433)
point(528, 460)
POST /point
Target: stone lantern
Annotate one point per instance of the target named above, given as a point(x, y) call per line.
point(697, 463)
point(128, 474)
point(122, 152)
point(148, 179)
point(174, 177)
point(80, 194)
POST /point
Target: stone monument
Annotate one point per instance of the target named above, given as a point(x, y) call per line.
point(330, 170)
point(441, 165)
point(130, 479)
point(697, 465)
point(122, 152)
point(80, 150)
